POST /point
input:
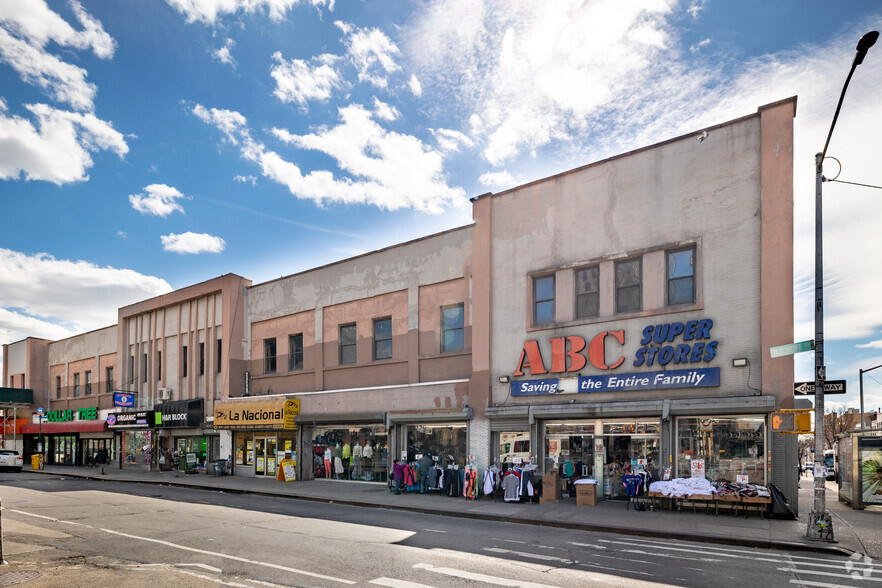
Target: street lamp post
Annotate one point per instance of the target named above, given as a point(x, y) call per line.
point(862, 372)
point(820, 524)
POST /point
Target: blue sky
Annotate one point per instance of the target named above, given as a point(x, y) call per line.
point(150, 145)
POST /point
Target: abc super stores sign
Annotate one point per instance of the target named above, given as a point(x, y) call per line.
point(688, 346)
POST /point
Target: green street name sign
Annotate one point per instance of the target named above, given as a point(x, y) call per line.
point(792, 348)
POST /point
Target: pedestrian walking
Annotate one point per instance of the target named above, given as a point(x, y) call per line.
point(397, 476)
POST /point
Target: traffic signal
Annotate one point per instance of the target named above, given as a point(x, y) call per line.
point(792, 421)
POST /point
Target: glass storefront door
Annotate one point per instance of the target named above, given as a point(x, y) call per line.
point(265, 456)
point(64, 449)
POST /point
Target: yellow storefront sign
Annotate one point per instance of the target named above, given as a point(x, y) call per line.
point(271, 413)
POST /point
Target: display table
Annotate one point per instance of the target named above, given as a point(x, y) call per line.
point(735, 502)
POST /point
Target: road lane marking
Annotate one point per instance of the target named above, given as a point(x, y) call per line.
point(831, 574)
point(480, 577)
point(231, 557)
point(393, 583)
point(434, 531)
point(529, 555)
point(818, 584)
point(591, 545)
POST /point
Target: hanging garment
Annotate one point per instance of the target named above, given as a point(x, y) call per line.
point(510, 488)
point(410, 479)
point(631, 482)
point(489, 482)
point(338, 466)
point(470, 485)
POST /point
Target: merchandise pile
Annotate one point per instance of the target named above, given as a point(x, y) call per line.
point(679, 487)
point(725, 487)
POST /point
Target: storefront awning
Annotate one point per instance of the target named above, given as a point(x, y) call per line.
point(58, 428)
point(343, 419)
point(429, 416)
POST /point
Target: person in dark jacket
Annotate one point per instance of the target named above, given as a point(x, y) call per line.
point(397, 476)
point(425, 462)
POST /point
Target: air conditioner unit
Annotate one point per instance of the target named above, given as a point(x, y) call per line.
point(165, 393)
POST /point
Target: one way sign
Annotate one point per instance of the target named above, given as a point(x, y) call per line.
point(808, 388)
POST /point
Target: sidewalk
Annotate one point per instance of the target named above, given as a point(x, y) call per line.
point(855, 531)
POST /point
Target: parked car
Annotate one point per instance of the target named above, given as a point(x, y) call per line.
point(10, 459)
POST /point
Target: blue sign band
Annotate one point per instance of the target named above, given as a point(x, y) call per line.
point(697, 378)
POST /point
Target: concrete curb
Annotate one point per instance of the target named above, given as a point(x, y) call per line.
point(631, 531)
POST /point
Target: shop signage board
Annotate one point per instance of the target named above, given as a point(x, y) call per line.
point(697, 467)
point(178, 414)
point(808, 388)
point(689, 378)
point(130, 420)
point(269, 413)
point(63, 416)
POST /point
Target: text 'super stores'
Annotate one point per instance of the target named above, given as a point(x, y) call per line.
point(656, 410)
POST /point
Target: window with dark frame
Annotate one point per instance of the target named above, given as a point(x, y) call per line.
point(159, 365)
point(543, 300)
point(629, 290)
point(132, 374)
point(219, 355)
point(202, 359)
point(144, 368)
point(269, 356)
point(185, 362)
point(348, 337)
point(587, 291)
point(76, 385)
point(383, 338)
point(452, 327)
point(295, 352)
point(681, 276)
point(108, 374)
point(88, 383)
point(57, 386)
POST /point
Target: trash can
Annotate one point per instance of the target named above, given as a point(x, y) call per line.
point(219, 467)
point(37, 461)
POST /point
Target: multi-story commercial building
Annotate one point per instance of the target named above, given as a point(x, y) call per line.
point(610, 318)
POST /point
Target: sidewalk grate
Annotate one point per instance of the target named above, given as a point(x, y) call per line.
point(13, 578)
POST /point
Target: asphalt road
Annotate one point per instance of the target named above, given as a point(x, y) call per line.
point(147, 535)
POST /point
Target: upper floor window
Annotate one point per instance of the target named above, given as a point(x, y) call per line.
point(76, 385)
point(347, 343)
point(543, 300)
point(219, 355)
point(159, 365)
point(269, 356)
point(108, 374)
point(185, 361)
point(144, 368)
point(681, 276)
point(383, 338)
point(201, 359)
point(587, 291)
point(629, 285)
point(452, 322)
point(57, 386)
point(88, 383)
point(295, 352)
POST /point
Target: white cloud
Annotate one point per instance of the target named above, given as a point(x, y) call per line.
point(300, 81)
point(26, 28)
point(192, 243)
point(699, 46)
point(415, 87)
point(57, 150)
point(385, 111)
point(65, 297)
point(158, 200)
point(210, 11)
point(695, 8)
point(450, 140)
point(224, 54)
point(371, 52)
point(497, 179)
point(385, 169)
point(871, 345)
point(245, 179)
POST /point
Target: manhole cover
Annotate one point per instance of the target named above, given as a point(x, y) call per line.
point(13, 578)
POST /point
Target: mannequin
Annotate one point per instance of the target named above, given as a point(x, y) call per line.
point(327, 461)
point(357, 453)
point(338, 461)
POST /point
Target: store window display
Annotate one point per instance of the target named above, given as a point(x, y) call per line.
point(722, 447)
point(357, 452)
point(447, 442)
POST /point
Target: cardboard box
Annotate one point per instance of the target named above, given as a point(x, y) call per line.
point(550, 488)
point(586, 494)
